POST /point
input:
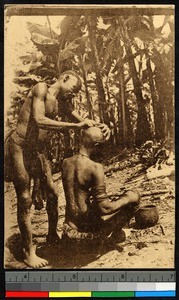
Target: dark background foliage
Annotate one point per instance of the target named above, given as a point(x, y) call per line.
point(127, 67)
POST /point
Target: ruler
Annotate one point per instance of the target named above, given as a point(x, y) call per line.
point(89, 276)
point(90, 280)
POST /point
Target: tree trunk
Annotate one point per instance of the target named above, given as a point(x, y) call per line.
point(123, 112)
point(158, 112)
point(130, 133)
point(90, 108)
point(116, 140)
point(142, 121)
point(54, 55)
point(165, 92)
point(99, 84)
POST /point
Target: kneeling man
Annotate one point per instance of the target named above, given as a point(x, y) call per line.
point(90, 213)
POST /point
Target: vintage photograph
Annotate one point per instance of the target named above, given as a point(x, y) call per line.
point(89, 146)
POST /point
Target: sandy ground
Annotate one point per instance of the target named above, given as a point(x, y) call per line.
point(147, 248)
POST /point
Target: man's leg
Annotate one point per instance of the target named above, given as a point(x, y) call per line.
point(24, 202)
point(115, 222)
point(37, 194)
point(52, 204)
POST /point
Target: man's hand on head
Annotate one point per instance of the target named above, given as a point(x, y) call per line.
point(86, 123)
point(89, 123)
point(105, 130)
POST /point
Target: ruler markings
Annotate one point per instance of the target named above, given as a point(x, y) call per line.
point(104, 276)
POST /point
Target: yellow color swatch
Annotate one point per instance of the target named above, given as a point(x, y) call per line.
point(69, 294)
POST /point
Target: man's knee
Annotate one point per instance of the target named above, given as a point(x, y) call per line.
point(52, 195)
point(24, 201)
point(134, 196)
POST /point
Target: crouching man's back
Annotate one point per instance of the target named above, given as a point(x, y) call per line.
point(88, 208)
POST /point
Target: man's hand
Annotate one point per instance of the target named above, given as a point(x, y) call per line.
point(90, 123)
point(134, 197)
point(86, 123)
point(105, 130)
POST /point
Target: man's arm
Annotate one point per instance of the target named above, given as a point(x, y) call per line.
point(80, 119)
point(77, 116)
point(72, 113)
point(101, 199)
point(104, 128)
point(39, 94)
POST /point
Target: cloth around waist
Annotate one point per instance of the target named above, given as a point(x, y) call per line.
point(22, 142)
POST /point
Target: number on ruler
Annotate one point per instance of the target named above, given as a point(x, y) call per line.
point(171, 276)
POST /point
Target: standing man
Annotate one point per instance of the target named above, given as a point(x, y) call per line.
point(28, 154)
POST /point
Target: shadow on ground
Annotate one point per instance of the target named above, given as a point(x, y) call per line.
point(14, 244)
point(64, 255)
point(72, 255)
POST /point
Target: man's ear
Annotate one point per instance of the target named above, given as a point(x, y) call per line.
point(66, 77)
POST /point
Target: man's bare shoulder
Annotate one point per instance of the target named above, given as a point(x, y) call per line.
point(86, 162)
point(40, 89)
point(97, 167)
point(67, 161)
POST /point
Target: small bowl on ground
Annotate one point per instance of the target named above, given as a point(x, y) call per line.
point(146, 216)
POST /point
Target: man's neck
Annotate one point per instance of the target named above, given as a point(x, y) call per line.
point(85, 151)
point(54, 89)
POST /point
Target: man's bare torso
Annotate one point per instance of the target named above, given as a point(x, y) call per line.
point(77, 180)
point(26, 122)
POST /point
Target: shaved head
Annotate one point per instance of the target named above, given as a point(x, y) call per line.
point(91, 136)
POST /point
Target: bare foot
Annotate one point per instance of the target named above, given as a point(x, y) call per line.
point(34, 261)
point(53, 239)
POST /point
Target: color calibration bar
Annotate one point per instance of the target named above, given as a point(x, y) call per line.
point(98, 284)
point(90, 294)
